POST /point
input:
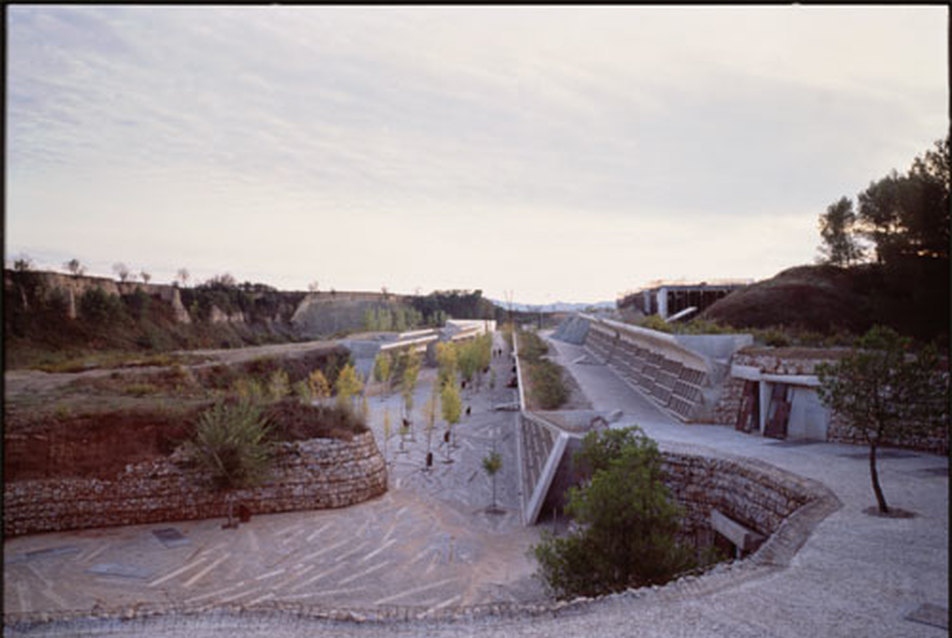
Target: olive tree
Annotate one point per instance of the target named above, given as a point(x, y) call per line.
point(885, 393)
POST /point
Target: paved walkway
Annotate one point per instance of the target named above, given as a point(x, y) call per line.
point(856, 575)
point(428, 543)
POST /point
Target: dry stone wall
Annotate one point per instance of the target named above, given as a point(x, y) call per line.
point(802, 362)
point(314, 474)
point(755, 494)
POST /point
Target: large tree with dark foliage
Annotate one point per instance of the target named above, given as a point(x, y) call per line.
point(840, 247)
point(904, 220)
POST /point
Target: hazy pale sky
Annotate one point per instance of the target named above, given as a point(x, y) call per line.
point(561, 153)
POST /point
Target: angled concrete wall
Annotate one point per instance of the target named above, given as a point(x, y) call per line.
point(681, 374)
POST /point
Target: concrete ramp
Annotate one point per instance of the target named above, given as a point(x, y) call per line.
point(681, 374)
point(573, 330)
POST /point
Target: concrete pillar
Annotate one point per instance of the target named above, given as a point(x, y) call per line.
point(663, 302)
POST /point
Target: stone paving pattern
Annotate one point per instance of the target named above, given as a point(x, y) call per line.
point(427, 543)
point(856, 575)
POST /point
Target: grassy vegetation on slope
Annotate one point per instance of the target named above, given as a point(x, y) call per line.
point(545, 388)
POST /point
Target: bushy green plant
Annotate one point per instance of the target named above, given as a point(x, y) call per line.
point(627, 524)
point(292, 420)
point(547, 387)
point(776, 338)
point(655, 322)
point(231, 444)
point(99, 307)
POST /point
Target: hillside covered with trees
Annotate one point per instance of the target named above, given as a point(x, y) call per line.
point(884, 260)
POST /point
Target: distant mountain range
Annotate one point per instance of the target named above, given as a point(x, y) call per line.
point(558, 306)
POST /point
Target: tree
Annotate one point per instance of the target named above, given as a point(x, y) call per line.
point(446, 359)
point(74, 267)
point(836, 230)
point(450, 405)
point(122, 271)
point(382, 367)
point(231, 444)
point(429, 416)
point(468, 360)
point(411, 372)
point(145, 276)
point(908, 215)
point(626, 521)
point(320, 388)
point(348, 385)
point(182, 276)
point(313, 286)
point(492, 463)
point(23, 263)
point(884, 393)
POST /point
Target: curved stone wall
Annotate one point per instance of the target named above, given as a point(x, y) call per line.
point(314, 474)
point(755, 494)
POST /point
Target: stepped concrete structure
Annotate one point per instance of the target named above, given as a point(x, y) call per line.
point(681, 374)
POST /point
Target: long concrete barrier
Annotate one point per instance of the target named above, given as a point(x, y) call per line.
point(681, 374)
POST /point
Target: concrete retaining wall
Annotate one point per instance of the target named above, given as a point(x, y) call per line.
point(673, 378)
point(314, 474)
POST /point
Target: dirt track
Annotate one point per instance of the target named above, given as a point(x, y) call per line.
point(34, 382)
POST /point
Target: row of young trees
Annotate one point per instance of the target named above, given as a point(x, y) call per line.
point(458, 365)
point(396, 318)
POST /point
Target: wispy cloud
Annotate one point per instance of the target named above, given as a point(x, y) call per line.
point(258, 128)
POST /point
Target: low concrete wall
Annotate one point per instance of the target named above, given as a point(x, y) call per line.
point(314, 474)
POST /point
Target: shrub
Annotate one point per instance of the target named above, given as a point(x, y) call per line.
point(776, 338)
point(627, 525)
point(230, 442)
point(655, 322)
point(99, 307)
point(140, 389)
point(278, 385)
point(295, 421)
point(548, 389)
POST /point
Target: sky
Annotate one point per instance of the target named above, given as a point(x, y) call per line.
point(545, 153)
